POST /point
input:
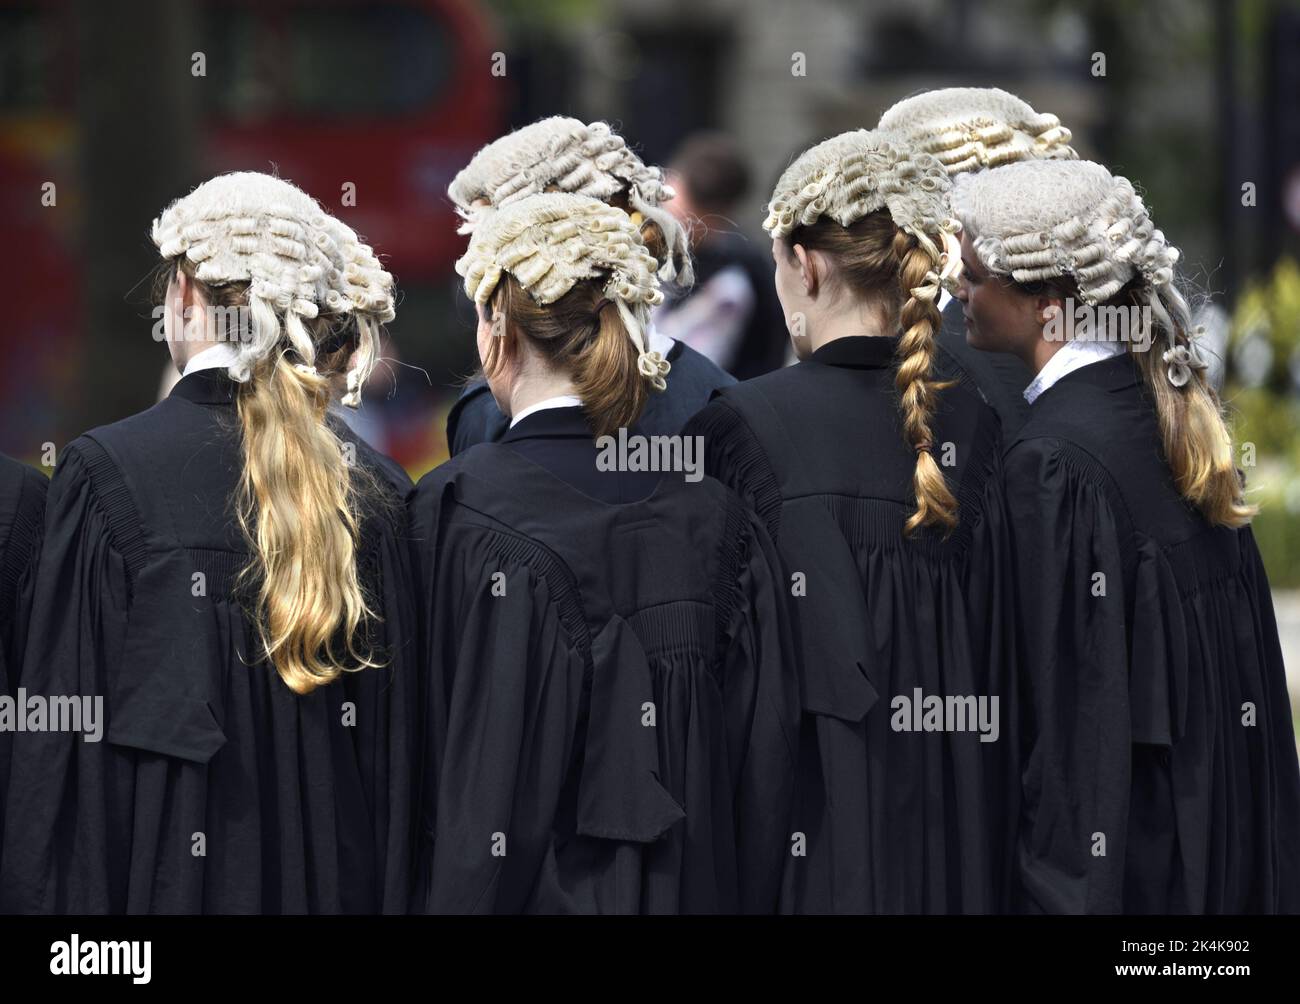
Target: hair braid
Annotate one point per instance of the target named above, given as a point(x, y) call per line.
point(919, 320)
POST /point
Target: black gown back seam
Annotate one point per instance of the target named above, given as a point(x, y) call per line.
point(112, 496)
point(551, 566)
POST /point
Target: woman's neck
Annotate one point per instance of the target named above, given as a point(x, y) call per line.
point(857, 320)
point(533, 388)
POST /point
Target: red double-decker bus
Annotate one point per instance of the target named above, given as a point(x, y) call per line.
point(387, 97)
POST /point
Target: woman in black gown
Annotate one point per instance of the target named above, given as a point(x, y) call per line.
point(873, 463)
point(228, 572)
point(1161, 771)
point(562, 154)
point(612, 712)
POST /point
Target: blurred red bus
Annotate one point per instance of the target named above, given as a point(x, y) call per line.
point(385, 96)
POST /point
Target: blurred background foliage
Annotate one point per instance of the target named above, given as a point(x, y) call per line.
point(1264, 377)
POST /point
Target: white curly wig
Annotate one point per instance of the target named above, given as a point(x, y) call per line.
point(299, 262)
point(1044, 219)
point(566, 155)
point(854, 174)
point(551, 242)
point(973, 128)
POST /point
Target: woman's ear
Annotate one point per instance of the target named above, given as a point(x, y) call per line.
point(807, 269)
point(1049, 309)
point(192, 307)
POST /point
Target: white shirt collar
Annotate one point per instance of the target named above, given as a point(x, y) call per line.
point(658, 341)
point(563, 401)
point(1069, 357)
point(222, 354)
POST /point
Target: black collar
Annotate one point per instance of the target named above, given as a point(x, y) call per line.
point(1114, 374)
point(551, 423)
point(210, 386)
point(858, 352)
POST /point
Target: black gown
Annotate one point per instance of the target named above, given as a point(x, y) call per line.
point(999, 376)
point(612, 715)
point(475, 417)
point(1139, 680)
point(895, 821)
point(213, 788)
point(22, 519)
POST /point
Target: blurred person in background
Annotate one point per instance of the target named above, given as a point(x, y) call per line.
point(228, 572)
point(560, 154)
point(613, 711)
point(1160, 772)
point(731, 314)
point(874, 464)
point(976, 129)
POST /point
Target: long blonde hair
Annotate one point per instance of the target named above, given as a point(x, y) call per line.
point(875, 258)
point(299, 503)
point(1196, 438)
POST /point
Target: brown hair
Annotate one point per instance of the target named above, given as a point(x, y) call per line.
point(582, 335)
point(878, 261)
point(298, 503)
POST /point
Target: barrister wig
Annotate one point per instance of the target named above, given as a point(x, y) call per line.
point(316, 297)
point(571, 273)
point(879, 208)
point(298, 261)
point(1072, 229)
point(973, 128)
point(561, 154)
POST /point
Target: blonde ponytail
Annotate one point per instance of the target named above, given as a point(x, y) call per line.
point(297, 508)
point(1197, 443)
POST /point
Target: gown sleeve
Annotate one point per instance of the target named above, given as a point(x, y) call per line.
point(504, 686)
point(58, 855)
point(20, 546)
point(1285, 838)
point(761, 701)
point(511, 718)
point(19, 553)
point(1074, 659)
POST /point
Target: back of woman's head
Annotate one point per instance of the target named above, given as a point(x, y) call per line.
point(878, 210)
point(572, 277)
point(561, 154)
point(315, 299)
point(1072, 229)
